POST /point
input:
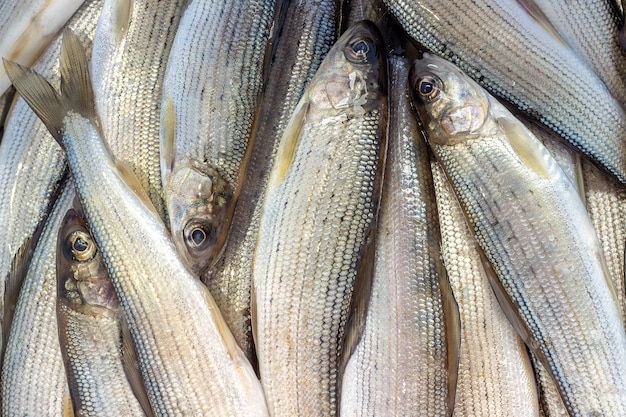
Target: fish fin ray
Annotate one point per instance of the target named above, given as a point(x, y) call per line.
point(168, 138)
point(452, 320)
point(47, 104)
point(121, 18)
point(130, 179)
point(76, 86)
point(68, 408)
point(289, 141)
point(523, 143)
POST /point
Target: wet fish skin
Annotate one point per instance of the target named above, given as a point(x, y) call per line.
point(407, 355)
point(28, 27)
point(208, 117)
point(320, 207)
point(304, 39)
point(90, 319)
point(552, 86)
point(130, 50)
point(549, 397)
point(187, 356)
point(508, 183)
point(32, 166)
point(40, 390)
point(493, 359)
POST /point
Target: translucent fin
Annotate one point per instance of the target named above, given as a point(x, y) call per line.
point(131, 367)
point(521, 140)
point(580, 180)
point(289, 141)
point(539, 16)
point(452, 321)
point(168, 138)
point(40, 96)
point(68, 409)
point(129, 178)
point(121, 18)
point(75, 81)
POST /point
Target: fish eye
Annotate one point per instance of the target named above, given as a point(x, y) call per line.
point(82, 246)
point(428, 87)
point(360, 49)
point(199, 235)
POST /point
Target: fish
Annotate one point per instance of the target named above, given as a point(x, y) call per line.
point(33, 381)
point(493, 359)
point(308, 32)
point(130, 50)
point(32, 168)
point(318, 216)
point(549, 397)
point(90, 323)
point(188, 358)
point(590, 29)
point(208, 118)
point(28, 27)
point(534, 231)
point(407, 354)
point(532, 70)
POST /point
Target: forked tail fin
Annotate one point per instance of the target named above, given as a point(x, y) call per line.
point(76, 91)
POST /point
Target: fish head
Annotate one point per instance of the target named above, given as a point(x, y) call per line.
point(83, 280)
point(451, 106)
point(354, 74)
point(197, 199)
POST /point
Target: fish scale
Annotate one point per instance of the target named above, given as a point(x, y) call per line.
point(320, 205)
point(305, 38)
point(508, 53)
point(127, 49)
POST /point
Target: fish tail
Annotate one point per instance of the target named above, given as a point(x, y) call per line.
point(76, 90)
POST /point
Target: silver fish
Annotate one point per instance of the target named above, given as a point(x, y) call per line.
point(407, 355)
point(306, 36)
point(535, 231)
point(319, 209)
point(187, 356)
point(532, 70)
point(208, 117)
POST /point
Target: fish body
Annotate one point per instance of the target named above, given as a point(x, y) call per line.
point(187, 356)
point(320, 207)
point(41, 389)
point(493, 359)
point(90, 320)
point(130, 51)
point(533, 70)
point(28, 27)
point(407, 355)
point(534, 230)
point(208, 117)
point(306, 36)
point(32, 166)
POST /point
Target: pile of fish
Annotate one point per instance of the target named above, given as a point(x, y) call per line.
point(312, 208)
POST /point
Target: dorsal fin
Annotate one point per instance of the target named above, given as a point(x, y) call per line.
point(75, 81)
point(40, 96)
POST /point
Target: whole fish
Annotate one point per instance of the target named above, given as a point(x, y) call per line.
point(493, 360)
point(534, 229)
point(32, 166)
point(90, 326)
point(406, 359)
point(533, 70)
point(306, 36)
point(208, 117)
point(319, 211)
point(130, 50)
point(590, 29)
point(28, 27)
point(33, 378)
point(187, 356)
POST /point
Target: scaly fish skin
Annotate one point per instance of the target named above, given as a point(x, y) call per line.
point(40, 390)
point(535, 72)
point(187, 356)
point(89, 317)
point(208, 117)
point(320, 206)
point(306, 36)
point(407, 356)
point(534, 230)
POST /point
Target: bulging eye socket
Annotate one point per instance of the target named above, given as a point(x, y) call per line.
point(82, 246)
point(199, 235)
point(428, 87)
point(360, 49)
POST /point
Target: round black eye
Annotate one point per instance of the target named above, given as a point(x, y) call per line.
point(428, 87)
point(82, 246)
point(199, 235)
point(360, 50)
